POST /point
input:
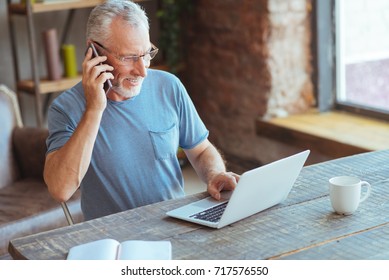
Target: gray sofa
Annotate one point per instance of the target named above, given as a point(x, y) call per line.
point(26, 206)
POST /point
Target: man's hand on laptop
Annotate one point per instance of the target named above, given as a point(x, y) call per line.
point(222, 181)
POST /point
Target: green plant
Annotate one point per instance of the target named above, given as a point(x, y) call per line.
point(170, 15)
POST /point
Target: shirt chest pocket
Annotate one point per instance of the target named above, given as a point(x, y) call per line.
point(165, 143)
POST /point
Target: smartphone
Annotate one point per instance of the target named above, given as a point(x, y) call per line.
point(107, 84)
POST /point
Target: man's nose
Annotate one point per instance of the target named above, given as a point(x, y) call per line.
point(141, 66)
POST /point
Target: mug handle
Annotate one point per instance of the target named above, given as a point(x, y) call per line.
point(366, 184)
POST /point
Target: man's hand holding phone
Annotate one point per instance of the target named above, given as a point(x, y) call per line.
point(94, 75)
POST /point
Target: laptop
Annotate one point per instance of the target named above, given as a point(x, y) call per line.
point(258, 189)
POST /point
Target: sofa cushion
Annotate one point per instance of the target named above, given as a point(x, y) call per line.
point(29, 145)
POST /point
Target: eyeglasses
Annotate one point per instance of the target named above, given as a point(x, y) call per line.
point(132, 59)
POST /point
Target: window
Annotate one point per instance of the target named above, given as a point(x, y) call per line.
point(355, 35)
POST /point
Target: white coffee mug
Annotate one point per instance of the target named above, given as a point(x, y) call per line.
point(345, 193)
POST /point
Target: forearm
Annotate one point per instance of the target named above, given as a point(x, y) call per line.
point(66, 167)
point(210, 167)
point(208, 164)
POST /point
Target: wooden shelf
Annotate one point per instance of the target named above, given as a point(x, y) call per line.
point(18, 8)
point(335, 133)
point(46, 86)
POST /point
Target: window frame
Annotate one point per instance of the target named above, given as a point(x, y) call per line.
point(325, 47)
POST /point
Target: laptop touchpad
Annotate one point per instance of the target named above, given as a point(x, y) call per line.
point(209, 201)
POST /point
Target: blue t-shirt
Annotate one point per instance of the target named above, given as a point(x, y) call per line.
point(134, 160)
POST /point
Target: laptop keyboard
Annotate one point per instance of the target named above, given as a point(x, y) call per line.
point(212, 214)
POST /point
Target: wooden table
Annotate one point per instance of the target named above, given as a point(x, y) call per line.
point(303, 227)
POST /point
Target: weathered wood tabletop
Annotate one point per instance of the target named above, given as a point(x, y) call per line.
point(302, 227)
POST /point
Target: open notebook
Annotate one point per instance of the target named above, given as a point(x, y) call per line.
point(110, 249)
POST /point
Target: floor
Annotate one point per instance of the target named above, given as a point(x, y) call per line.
point(192, 182)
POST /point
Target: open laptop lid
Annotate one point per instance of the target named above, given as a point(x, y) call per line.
point(263, 187)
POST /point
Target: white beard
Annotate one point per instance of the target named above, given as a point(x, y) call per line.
point(127, 93)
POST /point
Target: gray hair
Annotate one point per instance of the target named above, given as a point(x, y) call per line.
point(102, 15)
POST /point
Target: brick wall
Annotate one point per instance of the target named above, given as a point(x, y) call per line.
point(248, 59)
point(289, 58)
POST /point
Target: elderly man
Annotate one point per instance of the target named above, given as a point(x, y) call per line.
point(119, 144)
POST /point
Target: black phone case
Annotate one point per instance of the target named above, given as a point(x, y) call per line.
point(107, 84)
